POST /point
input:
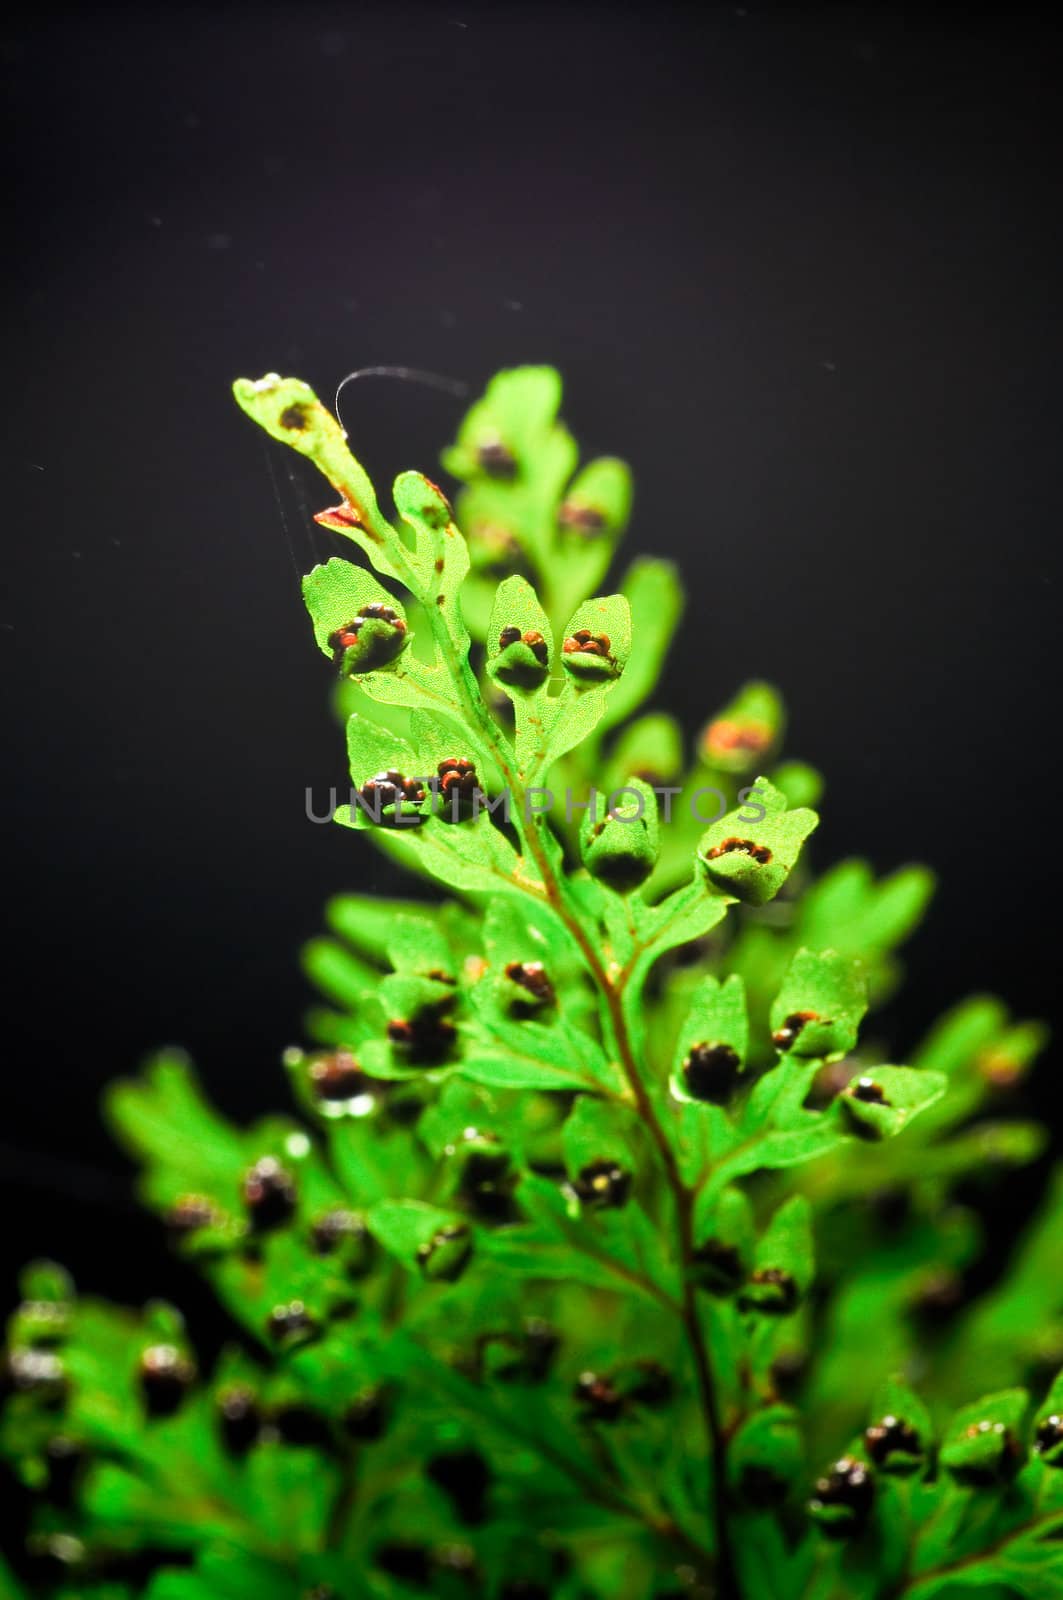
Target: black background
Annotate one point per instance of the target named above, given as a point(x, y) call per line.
point(798, 265)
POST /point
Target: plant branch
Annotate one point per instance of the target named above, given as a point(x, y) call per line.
point(529, 828)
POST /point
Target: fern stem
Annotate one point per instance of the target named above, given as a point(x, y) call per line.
point(469, 692)
point(682, 1196)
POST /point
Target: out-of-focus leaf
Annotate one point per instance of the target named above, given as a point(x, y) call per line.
point(741, 736)
point(365, 921)
point(847, 910)
point(650, 748)
point(162, 1117)
point(516, 411)
point(800, 783)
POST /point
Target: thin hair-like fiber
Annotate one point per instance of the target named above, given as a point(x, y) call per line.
point(431, 380)
point(320, 541)
point(286, 527)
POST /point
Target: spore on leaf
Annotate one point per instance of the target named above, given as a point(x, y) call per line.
point(584, 519)
point(769, 1289)
point(717, 1267)
point(166, 1375)
point(37, 1372)
point(532, 977)
point(444, 1257)
point(1048, 1440)
point(710, 1072)
point(289, 1321)
point(343, 1229)
point(726, 847)
point(868, 1090)
point(893, 1444)
point(995, 1456)
point(541, 1343)
point(270, 1193)
point(426, 1039)
point(494, 458)
point(295, 417)
point(785, 1037)
point(190, 1213)
point(459, 787)
point(603, 1184)
point(239, 1418)
point(728, 736)
point(465, 1478)
point(584, 642)
point(842, 1498)
point(66, 1459)
point(598, 1397)
point(337, 1076)
point(300, 1424)
point(391, 792)
point(487, 1178)
point(367, 1415)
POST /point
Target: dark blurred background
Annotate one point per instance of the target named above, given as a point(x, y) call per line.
point(799, 265)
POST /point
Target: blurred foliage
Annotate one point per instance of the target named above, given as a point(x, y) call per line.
point(609, 1255)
